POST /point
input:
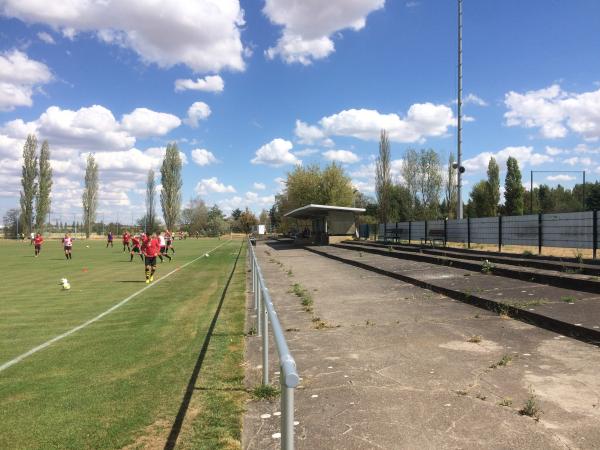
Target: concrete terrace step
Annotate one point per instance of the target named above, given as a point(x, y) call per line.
point(550, 277)
point(546, 263)
point(566, 311)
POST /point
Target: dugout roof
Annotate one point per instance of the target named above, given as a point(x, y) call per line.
point(315, 211)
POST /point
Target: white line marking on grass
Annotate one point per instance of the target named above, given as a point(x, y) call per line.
point(20, 358)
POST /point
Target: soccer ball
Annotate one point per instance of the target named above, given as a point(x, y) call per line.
point(206, 255)
point(87, 246)
point(65, 284)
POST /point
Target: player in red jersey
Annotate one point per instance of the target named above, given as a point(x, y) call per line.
point(67, 242)
point(126, 238)
point(136, 248)
point(38, 240)
point(151, 249)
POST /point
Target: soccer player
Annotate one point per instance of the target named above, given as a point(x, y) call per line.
point(38, 240)
point(163, 248)
point(126, 238)
point(169, 241)
point(136, 248)
point(151, 249)
point(68, 246)
point(109, 240)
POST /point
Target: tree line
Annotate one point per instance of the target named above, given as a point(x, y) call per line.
point(427, 191)
point(36, 188)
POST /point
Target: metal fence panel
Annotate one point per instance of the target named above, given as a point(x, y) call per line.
point(520, 230)
point(435, 225)
point(418, 231)
point(571, 230)
point(484, 230)
point(457, 230)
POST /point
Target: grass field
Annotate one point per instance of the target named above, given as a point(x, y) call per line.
point(121, 381)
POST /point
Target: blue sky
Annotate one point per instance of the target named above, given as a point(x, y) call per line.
point(264, 85)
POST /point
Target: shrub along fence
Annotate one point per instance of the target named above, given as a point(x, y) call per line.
point(565, 230)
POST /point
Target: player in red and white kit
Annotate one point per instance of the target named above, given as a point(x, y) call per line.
point(38, 240)
point(136, 248)
point(126, 238)
point(67, 242)
point(151, 249)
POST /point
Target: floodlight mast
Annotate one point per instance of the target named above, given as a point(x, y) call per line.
point(459, 203)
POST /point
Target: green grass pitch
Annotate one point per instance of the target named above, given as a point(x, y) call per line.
point(120, 381)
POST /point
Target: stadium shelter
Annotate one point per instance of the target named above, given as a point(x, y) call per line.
point(329, 224)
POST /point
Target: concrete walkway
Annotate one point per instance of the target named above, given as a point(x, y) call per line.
point(388, 365)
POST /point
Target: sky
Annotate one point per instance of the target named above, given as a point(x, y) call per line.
point(249, 89)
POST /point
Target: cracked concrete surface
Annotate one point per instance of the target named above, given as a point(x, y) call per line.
point(394, 368)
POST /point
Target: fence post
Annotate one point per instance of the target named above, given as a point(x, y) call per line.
point(468, 232)
point(445, 231)
point(287, 414)
point(540, 234)
point(265, 345)
point(385, 232)
point(259, 310)
point(595, 232)
point(499, 234)
point(409, 231)
point(426, 234)
point(396, 234)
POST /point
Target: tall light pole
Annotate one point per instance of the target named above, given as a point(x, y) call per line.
point(459, 204)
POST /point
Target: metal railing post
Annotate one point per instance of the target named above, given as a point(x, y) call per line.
point(259, 309)
point(287, 414)
point(540, 233)
point(595, 232)
point(265, 345)
point(500, 234)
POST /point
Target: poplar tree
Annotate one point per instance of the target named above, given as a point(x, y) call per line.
point(170, 196)
point(493, 187)
point(42, 206)
point(90, 194)
point(383, 178)
point(150, 202)
point(28, 182)
point(513, 189)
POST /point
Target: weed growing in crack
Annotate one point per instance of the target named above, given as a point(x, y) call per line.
point(531, 407)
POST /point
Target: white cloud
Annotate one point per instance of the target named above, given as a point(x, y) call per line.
point(524, 155)
point(474, 100)
point(309, 24)
point(259, 186)
point(306, 152)
point(276, 154)
point(201, 34)
point(578, 160)
point(251, 200)
point(19, 78)
point(555, 112)
point(363, 186)
point(554, 151)
point(308, 134)
point(343, 156)
point(561, 177)
point(91, 128)
point(143, 122)
point(197, 112)
point(210, 83)
point(281, 183)
point(212, 185)
point(46, 37)
point(422, 120)
point(203, 157)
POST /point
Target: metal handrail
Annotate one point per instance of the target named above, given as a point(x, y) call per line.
point(288, 376)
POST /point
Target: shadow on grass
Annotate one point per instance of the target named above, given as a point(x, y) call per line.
point(130, 281)
point(189, 391)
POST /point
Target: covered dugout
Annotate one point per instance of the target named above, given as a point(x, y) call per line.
point(329, 224)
